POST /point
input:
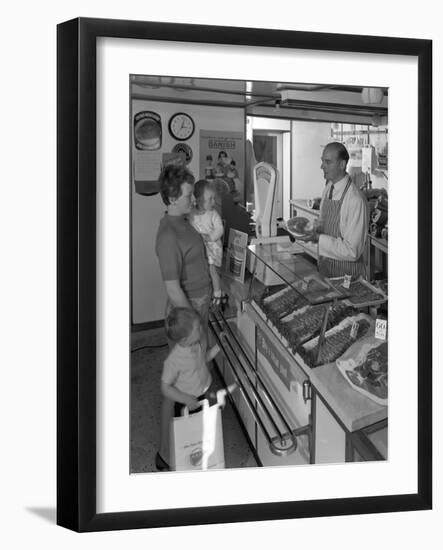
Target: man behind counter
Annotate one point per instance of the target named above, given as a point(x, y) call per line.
point(341, 229)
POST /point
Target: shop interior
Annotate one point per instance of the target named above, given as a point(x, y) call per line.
point(286, 408)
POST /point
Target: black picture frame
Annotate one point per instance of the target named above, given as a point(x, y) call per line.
point(76, 277)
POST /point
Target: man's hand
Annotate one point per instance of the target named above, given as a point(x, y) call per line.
point(311, 237)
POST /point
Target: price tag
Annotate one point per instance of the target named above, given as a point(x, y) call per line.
point(354, 329)
point(381, 326)
point(347, 281)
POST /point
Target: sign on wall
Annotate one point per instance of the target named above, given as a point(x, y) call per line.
point(222, 155)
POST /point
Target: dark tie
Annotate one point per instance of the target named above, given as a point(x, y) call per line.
point(331, 190)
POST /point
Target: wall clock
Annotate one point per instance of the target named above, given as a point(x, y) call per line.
point(181, 126)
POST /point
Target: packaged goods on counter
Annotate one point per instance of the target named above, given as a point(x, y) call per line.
point(365, 366)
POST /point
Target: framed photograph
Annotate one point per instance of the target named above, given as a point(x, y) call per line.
point(286, 96)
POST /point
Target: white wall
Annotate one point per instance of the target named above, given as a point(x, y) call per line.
point(308, 140)
point(149, 297)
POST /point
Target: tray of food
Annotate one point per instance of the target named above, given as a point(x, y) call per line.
point(360, 292)
point(300, 226)
point(281, 303)
point(306, 322)
point(365, 367)
point(337, 340)
point(318, 290)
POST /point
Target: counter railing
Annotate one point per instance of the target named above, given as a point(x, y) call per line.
point(283, 442)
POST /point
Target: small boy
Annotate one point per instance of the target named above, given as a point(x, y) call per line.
point(186, 377)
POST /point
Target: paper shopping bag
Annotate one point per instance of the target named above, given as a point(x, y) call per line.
point(196, 440)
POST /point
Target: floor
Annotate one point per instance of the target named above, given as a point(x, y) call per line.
point(148, 354)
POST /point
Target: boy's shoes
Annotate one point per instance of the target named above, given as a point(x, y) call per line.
point(160, 464)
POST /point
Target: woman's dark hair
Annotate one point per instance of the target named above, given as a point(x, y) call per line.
point(223, 153)
point(340, 149)
point(199, 189)
point(172, 177)
point(180, 322)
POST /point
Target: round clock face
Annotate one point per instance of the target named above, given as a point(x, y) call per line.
point(181, 126)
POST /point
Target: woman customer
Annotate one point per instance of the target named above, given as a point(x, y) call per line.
point(183, 264)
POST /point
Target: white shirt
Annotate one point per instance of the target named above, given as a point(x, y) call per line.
point(208, 222)
point(353, 223)
point(185, 368)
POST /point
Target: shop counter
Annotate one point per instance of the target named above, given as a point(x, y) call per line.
point(343, 424)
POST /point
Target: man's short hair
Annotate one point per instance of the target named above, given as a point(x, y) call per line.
point(180, 322)
point(172, 177)
point(340, 149)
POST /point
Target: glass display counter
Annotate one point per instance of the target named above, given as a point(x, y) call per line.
point(279, 350)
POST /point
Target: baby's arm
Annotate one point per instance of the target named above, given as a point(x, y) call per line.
point(212, 352)
point(199, 228)
point(217, 223)
point(176, 395)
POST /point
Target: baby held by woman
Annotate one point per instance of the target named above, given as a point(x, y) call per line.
point(206, 220)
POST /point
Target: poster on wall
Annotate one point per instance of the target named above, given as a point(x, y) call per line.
point(222, 156)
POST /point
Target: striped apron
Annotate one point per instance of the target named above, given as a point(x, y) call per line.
point(330, 267)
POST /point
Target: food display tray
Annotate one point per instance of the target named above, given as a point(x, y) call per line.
point(347, 322)
point(337, 281)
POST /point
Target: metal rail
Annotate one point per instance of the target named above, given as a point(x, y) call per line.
point(257, 375)
point(281, 444)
